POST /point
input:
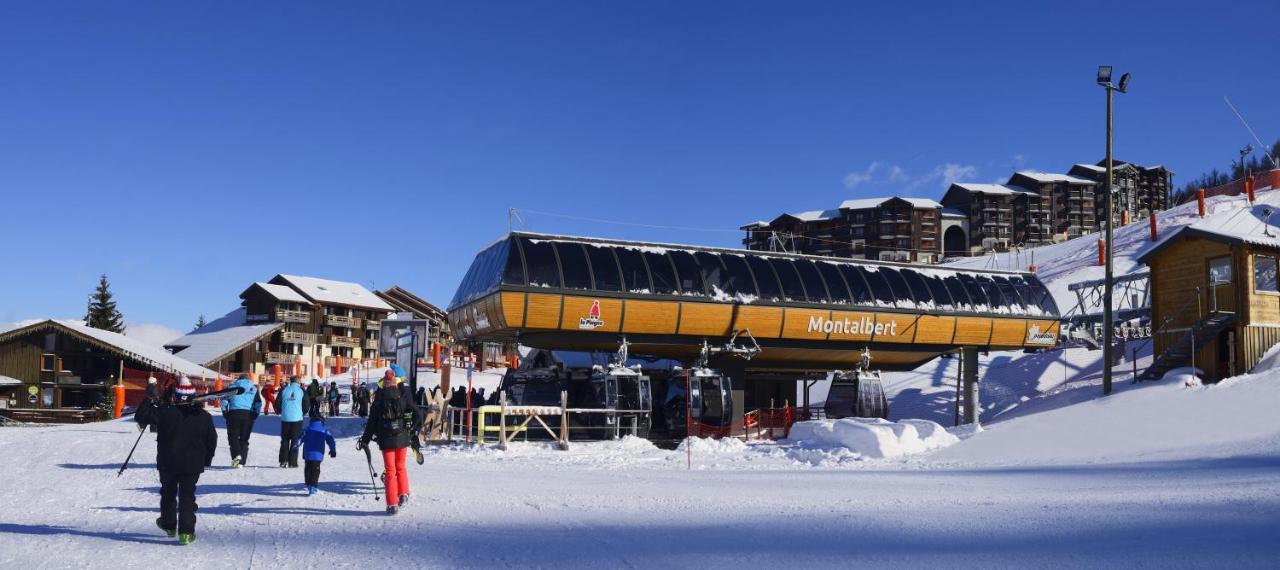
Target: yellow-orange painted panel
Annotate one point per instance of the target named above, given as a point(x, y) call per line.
point(764, 322)
point(543, 311)
point(1009, 332)
point(513, 309)
point(972, 331)
point(851, 326)
point(895, 327)
point(651, 317)
point(935, 330)
point(806, 324)
point(705, 319)
point(577, 314)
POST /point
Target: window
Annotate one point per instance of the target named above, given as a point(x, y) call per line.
point(1011, 297)
point(959, 296)
point(712, 275)
point(993, 293)
point(879, 286)
point(859, 291)
point(664, 277)
point(541, 262)
point(919, 289)
point(835, 282)
point(688, 274)
point(513, 273)
point(635, 278)
point(1220, 270)
point(1264, 274)
point(577, 275)
point(898, 287)
point(738, 276)
point(812, 281)
point(766, 278)
point(604, 268)
point(938, 290)
point(792, 290)
point(976, 292)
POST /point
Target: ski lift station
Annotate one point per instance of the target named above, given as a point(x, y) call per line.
point(759, 321)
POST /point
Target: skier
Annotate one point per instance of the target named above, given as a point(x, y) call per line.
point(332, 396)
point(387, 424)
point(313, 441)
point(314, 393)
point(184, 447)
point(269, 396)
point(291, 404)
point(153, 389)
point(240, 411)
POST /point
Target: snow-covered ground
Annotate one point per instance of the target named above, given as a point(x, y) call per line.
point(1154, 476)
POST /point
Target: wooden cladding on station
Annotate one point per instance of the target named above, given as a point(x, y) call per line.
point(507, 312)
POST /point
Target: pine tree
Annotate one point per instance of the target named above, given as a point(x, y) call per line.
point(102, 312)
point(199, 323)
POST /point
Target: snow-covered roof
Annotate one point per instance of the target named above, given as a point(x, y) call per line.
point(1050, 177)
point(953, 213)
point(816, 215)
point(1246, 224)
point(141, 351)
point(992, 188)
point(755, 224)
point(334, 292)
point(923, 202)
point(279, 292)
point(865, 203)
point(8, 381)
point(220, 338)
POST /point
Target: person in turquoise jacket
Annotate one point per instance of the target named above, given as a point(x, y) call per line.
point(313, 441)
point(291, 402)
point(240, 411)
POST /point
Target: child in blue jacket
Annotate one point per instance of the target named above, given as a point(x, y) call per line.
point(313, 440)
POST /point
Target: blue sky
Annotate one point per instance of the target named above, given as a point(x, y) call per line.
point(188, 150)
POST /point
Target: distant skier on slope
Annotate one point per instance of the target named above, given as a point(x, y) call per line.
point(269, 399)
point(184, 447)
point(334, 398)
point(240, 412)
point(291, 401)
point(313, 441)
point(387, 424)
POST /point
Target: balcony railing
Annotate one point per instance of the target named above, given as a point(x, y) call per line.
point(279, 358)
point(341, 321)
point(288, 316)
point(347, 341)
point(370, 344)
point(298, 337)
point(371, 325)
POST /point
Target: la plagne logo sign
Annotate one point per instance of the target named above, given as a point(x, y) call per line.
point(592, 321)
point(864, 325)
point(1034, 336)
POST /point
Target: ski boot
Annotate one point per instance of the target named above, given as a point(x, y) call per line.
point(417, 456)
point(283, 465)
point(311, 490)
point(235, 462)
point(186, 538)
point(170, 532)
point(404, 500)
point(391, 510)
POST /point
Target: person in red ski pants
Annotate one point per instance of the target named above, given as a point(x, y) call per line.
point(392, 423)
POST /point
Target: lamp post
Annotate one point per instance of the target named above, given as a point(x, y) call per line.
point(1244, 152)
point(1104, 80)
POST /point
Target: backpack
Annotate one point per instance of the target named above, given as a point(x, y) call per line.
point(393, 412)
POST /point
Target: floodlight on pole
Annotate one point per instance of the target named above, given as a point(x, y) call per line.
point(1108, 327)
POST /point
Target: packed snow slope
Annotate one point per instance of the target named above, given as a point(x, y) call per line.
point(1155, 476)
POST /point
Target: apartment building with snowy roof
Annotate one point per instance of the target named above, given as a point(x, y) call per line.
point(885, 228)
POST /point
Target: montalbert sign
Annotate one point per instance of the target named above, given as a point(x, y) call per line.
point(864, 325)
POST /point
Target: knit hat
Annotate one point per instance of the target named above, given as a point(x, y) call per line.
point(184, 392)
point(151, 380)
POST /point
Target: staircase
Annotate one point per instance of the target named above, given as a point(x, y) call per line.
point(1179, 353)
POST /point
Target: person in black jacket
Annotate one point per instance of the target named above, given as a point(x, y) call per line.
point(393, 420)
point(185, 444)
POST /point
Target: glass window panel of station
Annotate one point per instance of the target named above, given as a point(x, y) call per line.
point(766, 278)
point(664, 277)
point(919, 289)
point(577, 275)
point(813, 282)
point(898, 287)
point(959, 295)
point(835, 282)
point(1042, 296)
point(938, 290)
point(513, 273)
point(994, 295)
point(792, 290)
point(488, 280)
point(859, 291)
point(738, 276)
point(688, 274)
point(541, 261)
point(1011, 297)
point(713, 275)
point(1030, 297)
point(635, 277)
point(976, 293)
point(880, 288)
point(604, 268)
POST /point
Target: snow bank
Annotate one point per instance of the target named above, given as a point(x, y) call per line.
point(872, 438)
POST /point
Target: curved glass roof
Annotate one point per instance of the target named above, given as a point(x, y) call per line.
point(571, 264)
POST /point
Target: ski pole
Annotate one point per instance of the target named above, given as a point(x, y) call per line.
point(135, 448)
point(373, 477)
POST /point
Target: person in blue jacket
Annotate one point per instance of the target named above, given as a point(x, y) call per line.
point(240, 411)
point(313, 441)
point(291, 402)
